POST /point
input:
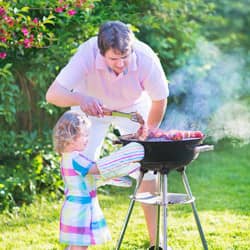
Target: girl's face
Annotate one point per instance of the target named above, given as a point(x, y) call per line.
point(78, 144)
point(81, 142)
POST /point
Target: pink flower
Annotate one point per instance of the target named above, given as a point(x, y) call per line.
point(3, 39)
point(35, 20)
point(2, 11)
point(9, 20)
point(71, 12)
point(59, 9)
point(25, 31)
point(28, 42)
point(3, 55)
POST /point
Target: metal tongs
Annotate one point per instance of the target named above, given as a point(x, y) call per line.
point(133, 116)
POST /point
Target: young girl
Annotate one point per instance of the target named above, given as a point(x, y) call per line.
point(82, 222)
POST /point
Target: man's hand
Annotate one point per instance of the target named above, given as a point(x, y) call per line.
point(156, 113)
point(91, 106)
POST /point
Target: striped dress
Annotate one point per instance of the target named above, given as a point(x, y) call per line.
point(81, 222)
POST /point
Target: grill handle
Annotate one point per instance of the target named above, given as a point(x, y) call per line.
point(203, 148)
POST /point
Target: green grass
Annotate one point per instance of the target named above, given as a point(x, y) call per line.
point(220, 181)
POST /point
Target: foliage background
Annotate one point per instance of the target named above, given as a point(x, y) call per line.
point(27, 67)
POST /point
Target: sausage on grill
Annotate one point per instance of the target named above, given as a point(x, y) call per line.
point(144, 133)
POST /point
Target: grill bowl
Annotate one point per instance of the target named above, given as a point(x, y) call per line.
point(168, 153)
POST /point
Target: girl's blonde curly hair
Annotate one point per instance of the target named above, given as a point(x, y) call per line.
point(70, 126)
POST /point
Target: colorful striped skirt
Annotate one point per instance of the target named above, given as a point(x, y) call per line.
point(82, 222)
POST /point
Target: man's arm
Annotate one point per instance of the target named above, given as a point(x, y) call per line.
point(156, 113)
point(62, 97)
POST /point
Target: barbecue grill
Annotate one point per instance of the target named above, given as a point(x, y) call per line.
point(161, 157)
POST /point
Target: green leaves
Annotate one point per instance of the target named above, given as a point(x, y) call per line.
point(25, 9)
point(27, 167)
point(49, 19)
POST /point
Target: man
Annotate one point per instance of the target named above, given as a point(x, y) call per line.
point(114, 71)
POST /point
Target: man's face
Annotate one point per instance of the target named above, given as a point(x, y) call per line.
point(117, 61)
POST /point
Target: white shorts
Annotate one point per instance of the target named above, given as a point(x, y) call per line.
point(99, 128)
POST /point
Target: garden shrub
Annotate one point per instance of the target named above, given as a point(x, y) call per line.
point(27, 168)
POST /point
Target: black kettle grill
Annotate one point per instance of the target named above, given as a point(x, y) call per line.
point(162, 156)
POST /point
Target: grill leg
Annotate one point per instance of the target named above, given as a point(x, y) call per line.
point(165, 208)
point(197, 220)
point(157, 238)
point(130, 209)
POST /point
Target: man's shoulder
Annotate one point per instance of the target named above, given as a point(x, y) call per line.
point(142, 49)
point(89, 45)
point(92, 41)
point(145, 54)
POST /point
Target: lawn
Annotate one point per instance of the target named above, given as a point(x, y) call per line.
point(220, 181)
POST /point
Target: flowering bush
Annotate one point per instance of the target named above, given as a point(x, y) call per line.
point(35, 34)
point(23, 26)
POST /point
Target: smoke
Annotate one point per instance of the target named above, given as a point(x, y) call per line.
point(231, 120)
point(210, 94)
